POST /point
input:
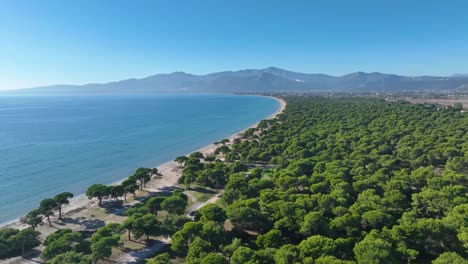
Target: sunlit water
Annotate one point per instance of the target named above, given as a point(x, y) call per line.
point(55, 143)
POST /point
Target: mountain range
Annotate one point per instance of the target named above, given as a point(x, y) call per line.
point(265, 81)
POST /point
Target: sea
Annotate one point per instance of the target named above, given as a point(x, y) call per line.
point(55, 143)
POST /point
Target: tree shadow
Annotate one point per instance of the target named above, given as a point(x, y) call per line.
point(92, 224)
point(170, 189)
point(202, 190)
point(153, 247)
point(119, 209)
point(115, 207)
point(145, 242)
point(32, 255)
point(156, 177)
point(112, 204)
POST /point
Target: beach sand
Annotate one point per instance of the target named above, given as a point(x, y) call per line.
point(81, 207)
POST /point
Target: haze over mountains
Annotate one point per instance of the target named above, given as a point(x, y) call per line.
point(264, 81)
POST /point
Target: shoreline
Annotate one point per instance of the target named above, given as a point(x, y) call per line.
point(167, 169)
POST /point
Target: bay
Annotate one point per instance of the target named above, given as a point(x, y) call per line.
point(55, 143)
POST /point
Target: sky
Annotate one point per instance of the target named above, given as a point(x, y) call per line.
point(76, 42)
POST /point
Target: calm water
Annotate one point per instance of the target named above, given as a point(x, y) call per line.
point(50, 144)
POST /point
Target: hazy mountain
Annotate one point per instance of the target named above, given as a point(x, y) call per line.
point(265, 80)
point(459, 75)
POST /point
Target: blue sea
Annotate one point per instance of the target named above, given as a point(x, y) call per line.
point(55, 143)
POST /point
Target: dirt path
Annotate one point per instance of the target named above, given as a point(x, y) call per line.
point(197, 205)
point(139, 255)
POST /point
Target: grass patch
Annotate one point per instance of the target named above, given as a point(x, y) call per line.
point(221, 203)
point(202, 197)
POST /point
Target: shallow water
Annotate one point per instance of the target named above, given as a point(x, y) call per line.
point(55, 143)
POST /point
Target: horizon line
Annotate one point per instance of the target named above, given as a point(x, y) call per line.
point(224, 71)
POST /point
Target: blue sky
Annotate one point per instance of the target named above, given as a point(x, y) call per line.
point(76, 42)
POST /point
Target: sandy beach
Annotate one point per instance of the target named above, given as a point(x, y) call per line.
point(170, 171)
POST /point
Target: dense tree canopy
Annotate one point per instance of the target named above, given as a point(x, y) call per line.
point(14, 242)
point(63, 241)
point(98, 191)
point(339, 181)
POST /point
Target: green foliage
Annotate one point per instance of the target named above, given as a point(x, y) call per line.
point(181, 159)
point(47, 206)
point(350, 175)
point(314, 223)
point(102, 249)
point(331, 260)
point(265, 255)
point(450, 257)
point(61, 199)
point(137, 209)
point(197, 250)
point(13, 241)
point(271, 239)
point(116, 191)
point(287, 254)
point(172, 223)
point(56, 235)
point(196, 155)
point(108, 230)
point(71, 257)
point(182, 238)
point(129, 186)
point(210, 158)
point(174, 205)
point(213, 232)
point(142, 224)
point(373, 250)
point(98, 191)
point(222, 149)
point(243, 255)
point(245, 215)
point(34, 218)
point(213, 258)
point(212, 212)
point(164, 258)
point(316, 246)
point(190, 172)
point(154, 204)
point(388, 154)
point(63, 241)
point(142, 175)
point(376, 219)
point(337, 180)
point(238, 167)
point(229, 249)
